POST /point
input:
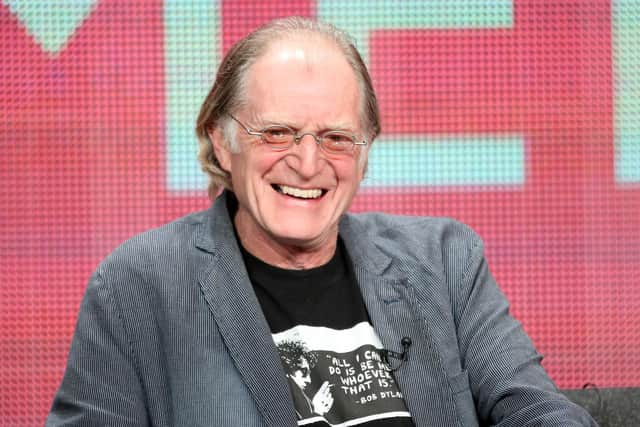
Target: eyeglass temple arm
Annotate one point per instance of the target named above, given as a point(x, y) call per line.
point(246, 128)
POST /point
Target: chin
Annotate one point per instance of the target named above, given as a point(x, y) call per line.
point(300, 238)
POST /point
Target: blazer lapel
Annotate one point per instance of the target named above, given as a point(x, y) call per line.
point(227, 290)
point(389, 298)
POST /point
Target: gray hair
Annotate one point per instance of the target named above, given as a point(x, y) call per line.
point(228, 93)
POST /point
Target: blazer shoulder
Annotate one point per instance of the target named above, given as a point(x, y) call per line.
point(413, 233)
point(444, 248)
point(158, 245)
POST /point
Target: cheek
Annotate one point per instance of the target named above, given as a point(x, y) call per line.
point(261, 162)
point(250, 165)
point(349, 171)
point(237, 172)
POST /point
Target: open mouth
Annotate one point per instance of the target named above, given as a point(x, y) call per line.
point(299, 193)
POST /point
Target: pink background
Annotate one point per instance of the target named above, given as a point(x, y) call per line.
point(82, 166)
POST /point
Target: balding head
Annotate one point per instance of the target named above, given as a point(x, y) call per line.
point(229, 91)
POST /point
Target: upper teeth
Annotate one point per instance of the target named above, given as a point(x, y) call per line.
point(299, 192)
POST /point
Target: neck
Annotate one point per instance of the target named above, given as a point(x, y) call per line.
point(286, 254)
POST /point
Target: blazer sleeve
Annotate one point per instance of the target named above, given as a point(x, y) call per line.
point(507, 380)
point(100, 386)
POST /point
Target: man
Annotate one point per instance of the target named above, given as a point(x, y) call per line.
point(179, 325)
point(297, 362)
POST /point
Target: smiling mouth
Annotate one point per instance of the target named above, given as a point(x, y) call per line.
point(300, 193)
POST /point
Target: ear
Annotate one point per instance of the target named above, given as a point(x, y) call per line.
point(220, 148)
point(363, 163)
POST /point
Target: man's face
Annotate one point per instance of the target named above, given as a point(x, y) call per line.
point(302, 375)
point(297, 196)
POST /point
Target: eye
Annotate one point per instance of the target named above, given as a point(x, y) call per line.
point(277, 134)
point(337, 141)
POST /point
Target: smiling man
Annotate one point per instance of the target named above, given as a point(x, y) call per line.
point(278, 308)
point(296, 172)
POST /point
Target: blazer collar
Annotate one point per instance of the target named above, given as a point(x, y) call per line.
point(361, 249)
point(226, 288)
point(217, 229)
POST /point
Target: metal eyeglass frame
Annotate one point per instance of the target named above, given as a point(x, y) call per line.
point(298, 137)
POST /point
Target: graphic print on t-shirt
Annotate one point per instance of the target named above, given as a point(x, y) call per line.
point(338, 376)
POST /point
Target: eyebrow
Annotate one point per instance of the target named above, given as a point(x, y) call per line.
point(339, 126)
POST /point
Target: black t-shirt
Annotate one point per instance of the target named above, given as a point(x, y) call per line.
point(327, 346)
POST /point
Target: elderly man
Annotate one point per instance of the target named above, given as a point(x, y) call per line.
point(183, 325)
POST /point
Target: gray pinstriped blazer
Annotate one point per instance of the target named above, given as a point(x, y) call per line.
point(170, 332)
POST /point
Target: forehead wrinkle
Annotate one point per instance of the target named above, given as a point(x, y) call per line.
point(308, 57)
point(313, 127)
point(342, 126)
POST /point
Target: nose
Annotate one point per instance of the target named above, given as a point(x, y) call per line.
point(306, 159)
point(297, 139)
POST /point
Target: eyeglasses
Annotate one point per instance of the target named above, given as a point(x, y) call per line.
point(282, 137)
